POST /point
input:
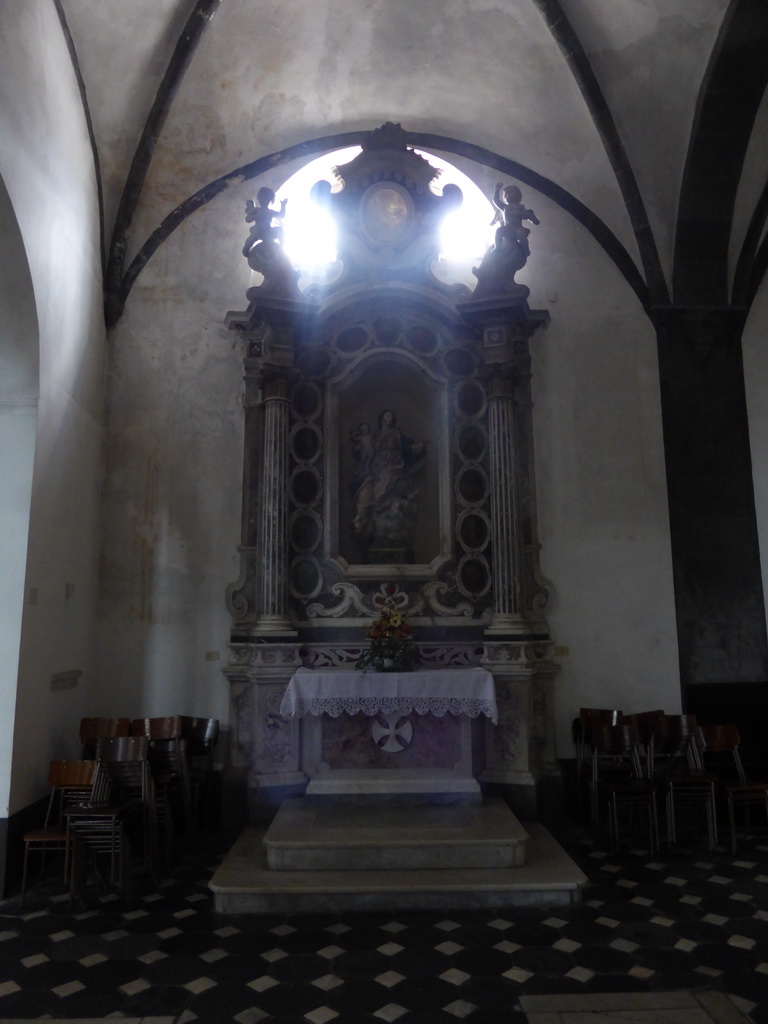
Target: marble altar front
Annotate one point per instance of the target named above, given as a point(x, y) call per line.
point(389, 732)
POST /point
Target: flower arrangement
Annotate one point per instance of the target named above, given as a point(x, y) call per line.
point(391, 647)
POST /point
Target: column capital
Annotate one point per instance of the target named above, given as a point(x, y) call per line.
point(276, 382)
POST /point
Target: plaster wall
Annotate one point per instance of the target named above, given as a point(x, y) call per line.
point(47, 166)
point(174, 467)
point(603, 521)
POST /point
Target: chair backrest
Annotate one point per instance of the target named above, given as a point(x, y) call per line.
point(122, 748)
point(92, 729)
point(675, 739)
point(646, 723)
point(123, 769)
point(720, 743)
point(71, 782)
point(616, 742)
point(592, 718)
point(168, 728)
point(201, 735)
point(71, 774)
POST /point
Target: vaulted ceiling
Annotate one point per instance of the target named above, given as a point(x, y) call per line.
point(644, 119)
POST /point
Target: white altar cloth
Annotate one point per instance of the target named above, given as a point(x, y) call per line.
point(455, 691)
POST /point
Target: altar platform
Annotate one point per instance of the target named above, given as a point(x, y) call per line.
point(416, 857)
point(393, 816)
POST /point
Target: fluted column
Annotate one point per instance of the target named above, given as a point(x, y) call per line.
point(273, 513)
point(505, 532)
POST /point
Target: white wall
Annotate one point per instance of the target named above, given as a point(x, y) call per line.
point(47, 166)
point(603, 520)
point(172, 500)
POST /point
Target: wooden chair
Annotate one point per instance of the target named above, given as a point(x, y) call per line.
point(93, 729)
point(117, 822)
point(721, 743)
point(589, 719)
point(689, 790)
point(200, 736)
point(168, 764)
point(71, 781)
point(617, 778)
point(646, 723)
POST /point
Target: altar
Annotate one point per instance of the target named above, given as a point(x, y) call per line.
point(390, 732)
point(389, 518)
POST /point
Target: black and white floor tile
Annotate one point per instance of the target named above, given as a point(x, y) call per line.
point(690, 920)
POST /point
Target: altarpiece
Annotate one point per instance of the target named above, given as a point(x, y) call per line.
point(388, 458)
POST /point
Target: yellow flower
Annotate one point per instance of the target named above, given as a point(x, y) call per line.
point(395, 619)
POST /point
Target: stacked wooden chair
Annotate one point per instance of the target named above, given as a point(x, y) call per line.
point(719, 750)
point(115, 828)
point(71, 782)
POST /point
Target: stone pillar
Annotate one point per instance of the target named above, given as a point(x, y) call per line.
point(520, 749)
point(264, 747)
point(273, 525)
point(713, 527)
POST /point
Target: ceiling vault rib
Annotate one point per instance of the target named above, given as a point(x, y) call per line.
point(578, 61)
point(589, 220)
point(730, 95)
point(202, 13)
point(88, 122)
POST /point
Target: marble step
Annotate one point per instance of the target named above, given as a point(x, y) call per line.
point(244, 884)
point(308, 835)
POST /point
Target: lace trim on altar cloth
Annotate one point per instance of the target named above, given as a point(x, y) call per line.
point(335, 706)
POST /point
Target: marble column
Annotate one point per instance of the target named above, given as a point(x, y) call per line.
point(506, 535)
point(273, 524)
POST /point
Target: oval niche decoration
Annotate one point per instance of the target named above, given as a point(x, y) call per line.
point(305, 530)
point(305, 486)
point(472, 485)
point(460, 362)
point(305, 578)
point(422, 340)
point(471, 441)
point(474, 577)
point(306, 400)
point(315, 363)
point(305, 442)
point(474, 531)
point(352, 339)
point(470, 399)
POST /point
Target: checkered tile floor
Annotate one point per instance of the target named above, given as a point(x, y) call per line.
point(692, 919)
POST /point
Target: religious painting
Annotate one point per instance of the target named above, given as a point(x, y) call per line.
point(389, 454)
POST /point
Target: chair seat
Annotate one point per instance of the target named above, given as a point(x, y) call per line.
point(45, 835)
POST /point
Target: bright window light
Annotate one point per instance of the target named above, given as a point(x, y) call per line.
point(310, 233)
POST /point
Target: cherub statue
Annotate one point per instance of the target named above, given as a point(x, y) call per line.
point(262, 217)
point(510, 214)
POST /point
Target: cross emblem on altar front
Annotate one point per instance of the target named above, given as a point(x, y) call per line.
point(392, 733)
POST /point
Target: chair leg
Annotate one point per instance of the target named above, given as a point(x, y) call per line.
point(732, 821)
point(24, 874)
point(653, 821)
